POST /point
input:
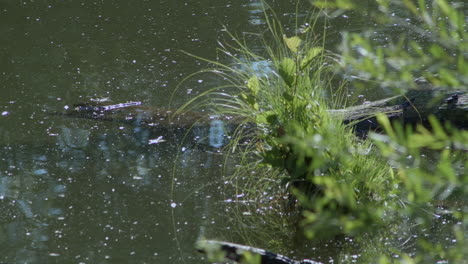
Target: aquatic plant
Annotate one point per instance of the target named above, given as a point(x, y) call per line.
point(320, 166)
point(376, 189)
point(428, 163)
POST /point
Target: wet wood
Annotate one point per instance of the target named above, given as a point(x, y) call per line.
point(413, 108)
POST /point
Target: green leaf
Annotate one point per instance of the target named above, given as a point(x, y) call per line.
point(444, 168)
point(243, 96)
point(449, 78)
point(293, 43)
point(445, 7)
point(310, 55)
point(250, 100)
point(342, 4)
point(345, 4)
point(288, 97)
point(287, 71)
point(437, 128)
point(267, 117)
point(462, 65)
point(274, 157)
point(385, 122)
point(254, 85)
point(437, 51)
point(272, 119)
point(417, 141)
point(411, 6)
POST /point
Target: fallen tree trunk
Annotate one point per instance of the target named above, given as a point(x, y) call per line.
point(413, 108)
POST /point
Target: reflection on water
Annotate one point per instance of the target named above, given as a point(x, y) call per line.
point(216, 133)
point(86, 191)
point(256, 10)
point(101, 194)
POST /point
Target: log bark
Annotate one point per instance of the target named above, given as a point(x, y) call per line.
point(413, 108)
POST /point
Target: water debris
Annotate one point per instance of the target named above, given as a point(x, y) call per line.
point(156, 140)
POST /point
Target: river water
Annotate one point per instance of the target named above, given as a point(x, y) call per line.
point(85, 191)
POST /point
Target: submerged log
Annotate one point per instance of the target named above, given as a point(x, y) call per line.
point(223, 251)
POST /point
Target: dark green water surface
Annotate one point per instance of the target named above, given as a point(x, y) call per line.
point(85, 191)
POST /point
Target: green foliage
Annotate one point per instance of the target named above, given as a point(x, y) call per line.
point(338, 180)
point(437, 183)
point(428, 164)
point(433, 44)
point(425, 182)
point(213, 252)
point(287, 71)
point(381, 189)
point(334, 177)
point(293, 43)
point(311, 54)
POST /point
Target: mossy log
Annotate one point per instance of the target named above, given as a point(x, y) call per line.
point(224, 251)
